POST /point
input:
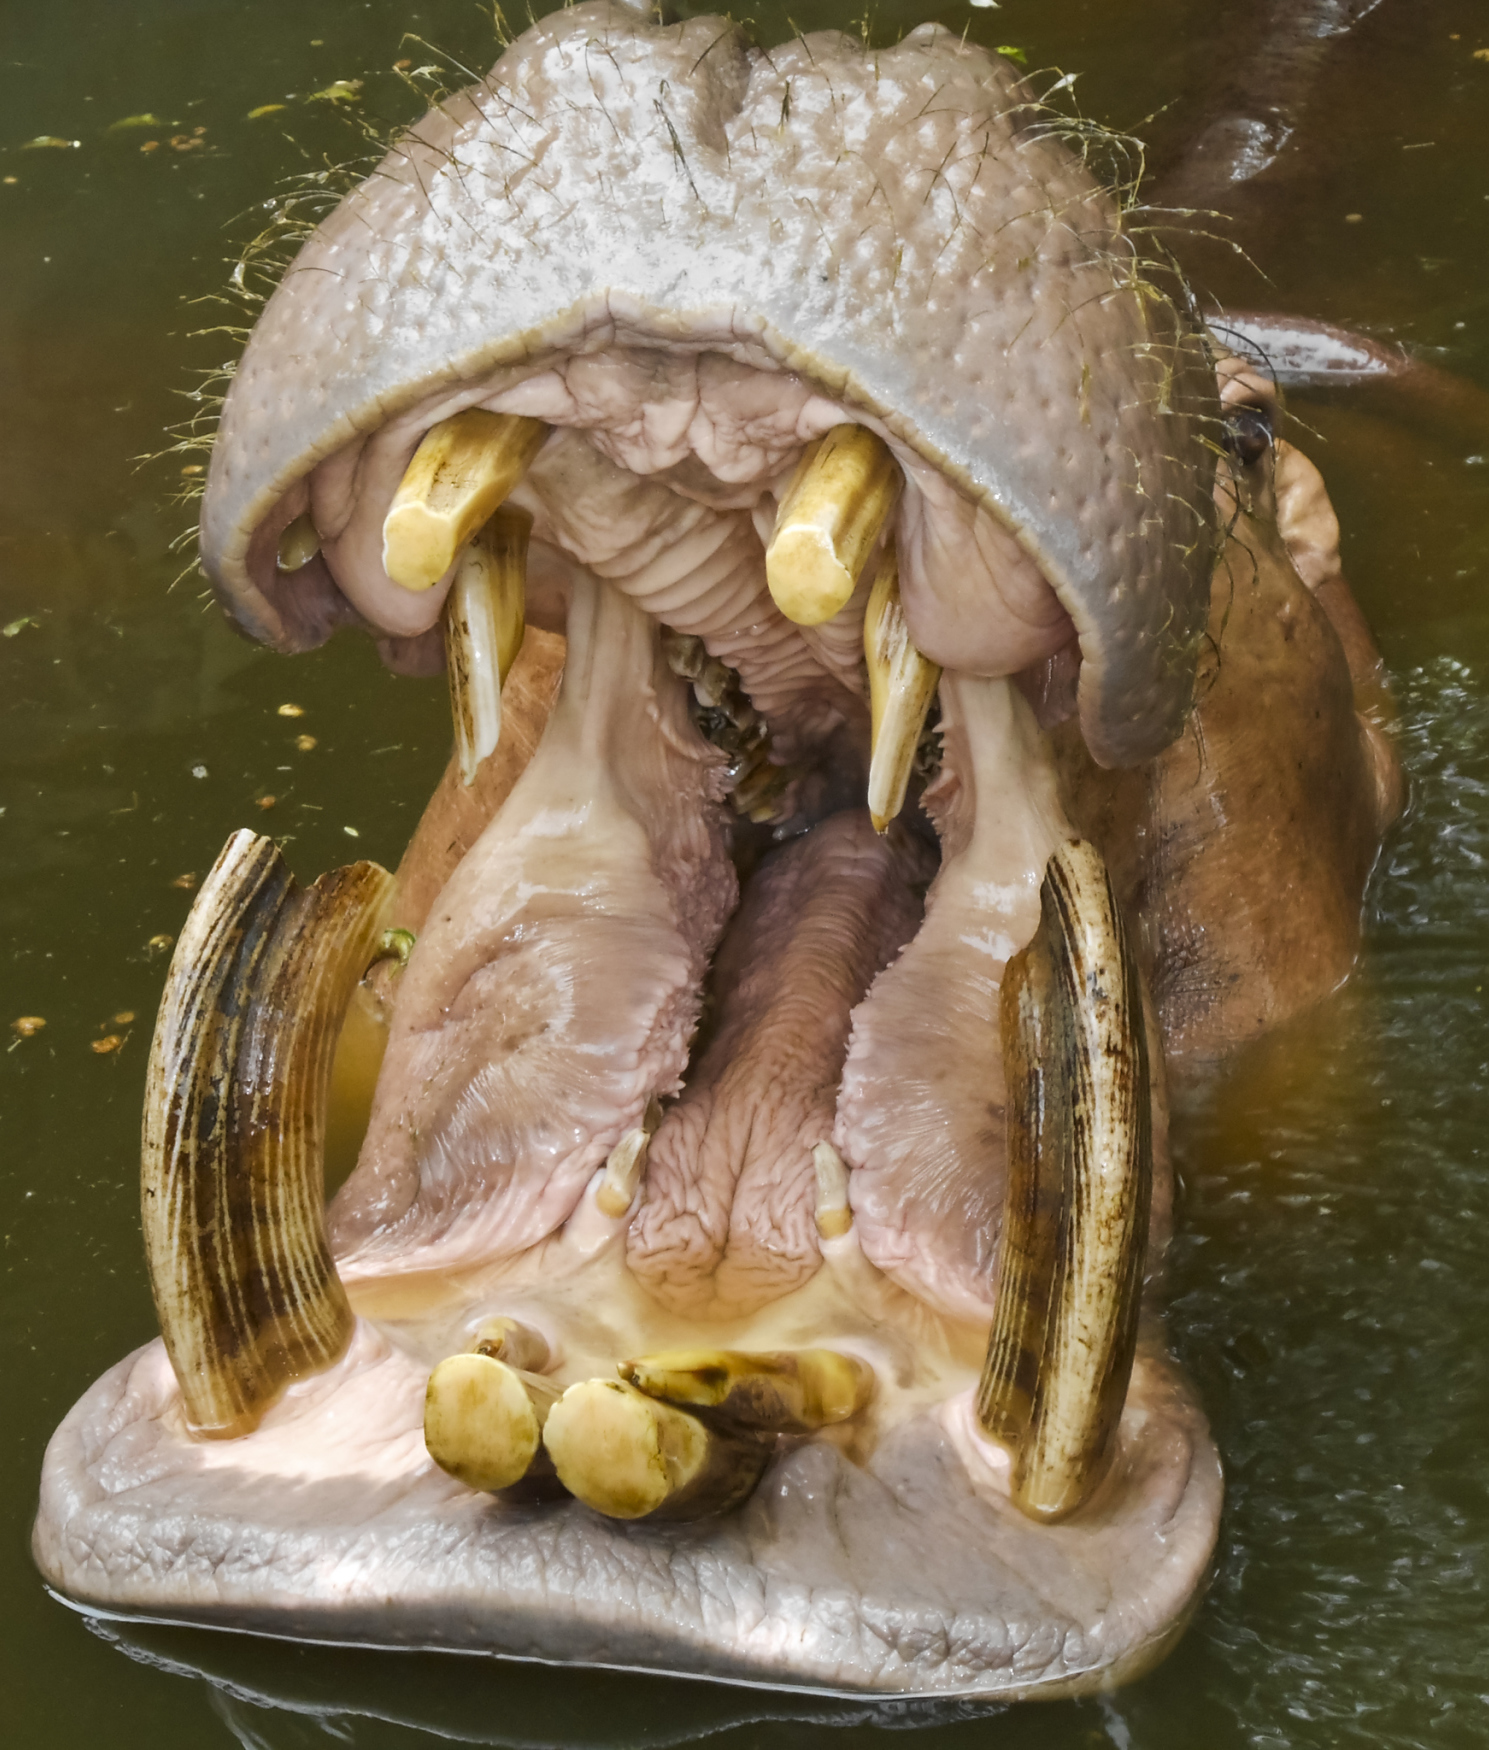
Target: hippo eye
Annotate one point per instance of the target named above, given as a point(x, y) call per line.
point(1248, 433)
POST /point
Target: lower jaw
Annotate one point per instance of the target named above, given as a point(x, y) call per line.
point(885, 1554)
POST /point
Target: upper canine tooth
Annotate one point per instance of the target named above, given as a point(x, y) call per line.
point(789, 1391)
point(833, 1215)
point(299, 543)
point(485, 618)
point(839, 499)
point(1080, 1165)
point(231, 1160)
point(902, 684)
point(460, 473)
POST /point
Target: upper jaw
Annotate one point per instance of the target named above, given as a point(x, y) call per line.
point(941, 269)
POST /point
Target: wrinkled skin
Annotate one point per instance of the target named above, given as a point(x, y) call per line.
point(632, 234)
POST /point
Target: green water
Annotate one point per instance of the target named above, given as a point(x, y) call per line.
point(1328, 1292)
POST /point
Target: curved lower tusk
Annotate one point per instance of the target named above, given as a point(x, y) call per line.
point(463, 469)
point(231, 1168)
point(485, 618)
point(630, 1456)
point(902, 684)
point(834, 509)
point(1080, 1167)
point(789, 1391)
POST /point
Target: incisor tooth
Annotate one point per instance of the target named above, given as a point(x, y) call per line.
point(834, 509)
point(834, 1217)
point(485, 618)
point(483, 1420)
point(631, 1457)
point(459, 474)
point(790, 1391)
point(519, 1345)
point(623, 1172)
point(902, 684)
point(299, 543)
point(1075, 1220)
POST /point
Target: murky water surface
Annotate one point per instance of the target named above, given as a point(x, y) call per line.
point(1329, 1291)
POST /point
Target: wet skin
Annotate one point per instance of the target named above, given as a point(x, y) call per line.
point(1059, 554)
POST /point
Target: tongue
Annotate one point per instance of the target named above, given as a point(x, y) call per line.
point(921, 1114)
point(728, 1220)
point(556, 984)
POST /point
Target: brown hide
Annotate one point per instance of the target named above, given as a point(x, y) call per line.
point(1243, 850)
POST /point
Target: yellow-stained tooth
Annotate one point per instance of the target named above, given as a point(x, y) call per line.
point(623, 1172)
point(833, 511)
point(460, 473)
point(299, 543)
point(485, 618)
point(631, 1457)
point(483, 1420)
point(789, 1391)
point(519, 1345)
point(902, 684)
point(833, 1215)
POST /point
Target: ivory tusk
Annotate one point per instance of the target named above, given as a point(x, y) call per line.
point(1080, 1165)
point(485, 618)
point(834, 509)
point(231, 1168)
point(631, 1457)
point(790, 1391)
point(464, 468)
point(483, 1420)
point(902, 684)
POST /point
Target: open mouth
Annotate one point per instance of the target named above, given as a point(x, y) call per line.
point(744, 1272)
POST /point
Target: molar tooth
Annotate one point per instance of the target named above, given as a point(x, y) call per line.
point(519, 1345)
point(623, 1171)
point(459, 474)
point(902, 684)
point(834, 1217)
point(788, 1391)
point(631, 1456)
point(1080, 1167)
point(299, 543)
point(485, 618)
point(484, 1419)
point(231, 1160)
point(838, 501)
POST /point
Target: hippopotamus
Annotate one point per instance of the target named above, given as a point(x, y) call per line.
point(908, 712)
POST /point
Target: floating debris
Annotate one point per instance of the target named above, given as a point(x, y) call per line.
point(158, 944)
point(305, 743)
point(52, 142)
point(109, 1042)
point(185, 882)
point(264, 109)
point(338, 91)
point(291, 710)
point(124, 1018)
point(351, 832)
point(140, 121)
point(28, 1026)
point(20, 625)
point(265, 802)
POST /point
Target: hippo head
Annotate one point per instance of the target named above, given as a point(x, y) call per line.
point(748, 1270)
